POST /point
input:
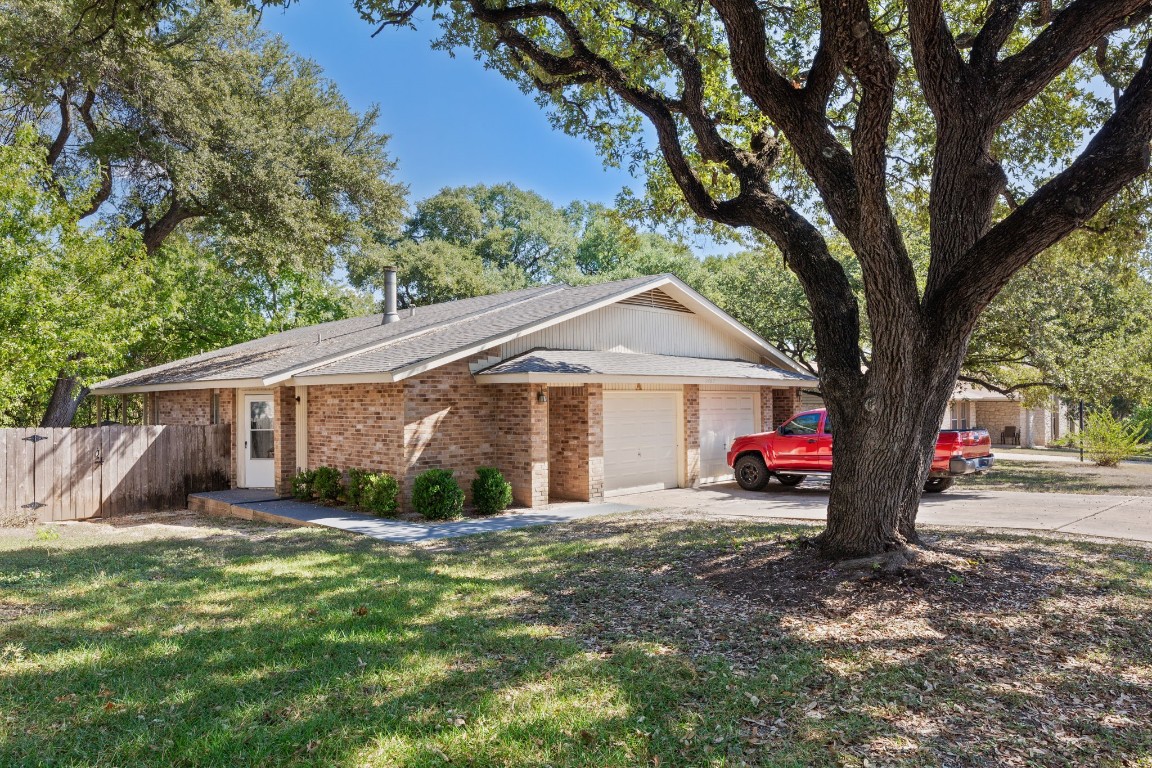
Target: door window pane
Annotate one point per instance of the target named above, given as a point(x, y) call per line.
point(260, 412)
point(261, 443)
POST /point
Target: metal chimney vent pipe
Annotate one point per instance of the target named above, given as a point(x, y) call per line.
point(390, 315)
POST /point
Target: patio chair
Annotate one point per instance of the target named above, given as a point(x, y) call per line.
point(1010, 436)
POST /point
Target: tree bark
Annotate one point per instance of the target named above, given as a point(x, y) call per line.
point(884, 445)
point(66, 398)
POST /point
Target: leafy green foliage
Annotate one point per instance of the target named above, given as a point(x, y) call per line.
point(437, 495)
point(1141, 420)
point(302, 485)
point(182, 109)
point(1108, 440)
point(491, 493)
point(375, 492)
point(71, 297)
point(327, 483)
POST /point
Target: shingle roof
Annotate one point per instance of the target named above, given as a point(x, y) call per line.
point(579, 364)
point(365, 345)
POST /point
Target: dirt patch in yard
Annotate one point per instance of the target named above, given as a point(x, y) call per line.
point(1129, 479)
point(792, 577)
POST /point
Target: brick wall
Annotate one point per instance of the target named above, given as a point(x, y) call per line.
point(447, 425)
point(520, 422)
point(692, 434)
point(357, 425)
point(568, 477)
point(994, 415)
point(785, 403)
point(187, 407)
point(228, 416)
point(284, 438)
point(595, 441)
point(767, 422)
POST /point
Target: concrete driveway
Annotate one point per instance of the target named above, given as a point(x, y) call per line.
point(1120, 517)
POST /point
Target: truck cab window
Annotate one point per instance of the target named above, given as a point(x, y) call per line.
point(804, 424)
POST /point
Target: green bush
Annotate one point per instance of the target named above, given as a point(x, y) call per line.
point(327, 483)
point(373, 491)
point(1108, 440)
point(491, 493)
point(302, 485)
point(437, 495)
point(1141, 419)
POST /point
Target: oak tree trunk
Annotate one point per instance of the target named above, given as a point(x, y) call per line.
point(66, 398)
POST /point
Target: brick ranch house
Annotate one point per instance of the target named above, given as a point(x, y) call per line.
point(574, 393)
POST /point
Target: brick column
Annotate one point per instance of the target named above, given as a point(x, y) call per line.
point(521, 421)
point(692, 435)
point(767, 424)
point(284, 438)
point(595, 442)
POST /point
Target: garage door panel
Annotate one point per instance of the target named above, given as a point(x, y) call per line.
point(641, 450)
point(724, 416)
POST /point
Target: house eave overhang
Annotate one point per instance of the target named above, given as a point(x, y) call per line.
point(577, 379)
point(136, 389)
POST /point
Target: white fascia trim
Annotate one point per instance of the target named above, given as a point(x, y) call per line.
point(569, 379)
point(218, 384)
point(495, 341)
point(319, 362)
point(382, 377)
point(733, 324)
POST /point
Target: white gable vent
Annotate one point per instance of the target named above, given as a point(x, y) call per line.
point(658, 299)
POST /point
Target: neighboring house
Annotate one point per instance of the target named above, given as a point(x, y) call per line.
point(1006, 417)
point(574, 393)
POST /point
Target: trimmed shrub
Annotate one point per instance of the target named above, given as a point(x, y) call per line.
point(327, 483)
point(1141, 419)
point(437, 495)
point(375, 492)
point(1108, 440)
point(491, 493)
point(302, 485)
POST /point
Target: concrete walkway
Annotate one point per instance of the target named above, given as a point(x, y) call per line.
point(256, 505)
point(1120, 517)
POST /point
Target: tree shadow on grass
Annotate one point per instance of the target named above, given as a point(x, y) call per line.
point(590, 644)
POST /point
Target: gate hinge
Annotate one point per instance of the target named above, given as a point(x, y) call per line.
point(35, 438)
point(33, 505)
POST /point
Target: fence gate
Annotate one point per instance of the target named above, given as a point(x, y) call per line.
point(78, 473)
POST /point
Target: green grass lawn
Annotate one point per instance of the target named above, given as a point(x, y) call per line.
point(610, 642)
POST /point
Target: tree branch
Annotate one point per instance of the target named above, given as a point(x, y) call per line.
point(1001, 21)
point(1074, 30)
point(1117, 154)
point(104, 191)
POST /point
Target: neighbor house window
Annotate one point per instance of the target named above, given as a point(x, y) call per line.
point(960, 414)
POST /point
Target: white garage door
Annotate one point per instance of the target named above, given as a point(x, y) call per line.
point(724, 416)
point(640, 441)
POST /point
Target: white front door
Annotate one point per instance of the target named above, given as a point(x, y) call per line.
point(259, 461)
point(641, 441)
point(724, 416)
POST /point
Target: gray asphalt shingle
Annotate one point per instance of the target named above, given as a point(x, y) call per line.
point(580, 363)
point(432, 331)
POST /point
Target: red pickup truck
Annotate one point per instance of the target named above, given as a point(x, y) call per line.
point(802, 446)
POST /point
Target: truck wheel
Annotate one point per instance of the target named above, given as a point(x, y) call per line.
point(751, 472)
point(938, 484)
point(790, 480)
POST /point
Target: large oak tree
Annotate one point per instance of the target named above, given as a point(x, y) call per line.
point(186, 118)
point(774, 116)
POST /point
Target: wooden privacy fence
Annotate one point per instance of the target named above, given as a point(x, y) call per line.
point(77, 473)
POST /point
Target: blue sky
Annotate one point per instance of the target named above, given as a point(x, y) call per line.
point(452, 122)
